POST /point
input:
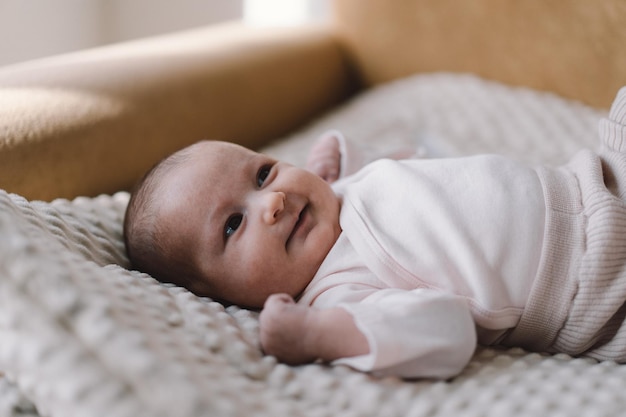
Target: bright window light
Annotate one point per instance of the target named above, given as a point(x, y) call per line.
point(275, 12)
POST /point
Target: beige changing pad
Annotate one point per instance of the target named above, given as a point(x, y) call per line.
point(81, 336)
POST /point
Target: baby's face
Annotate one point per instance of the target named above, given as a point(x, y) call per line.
point(254, 226)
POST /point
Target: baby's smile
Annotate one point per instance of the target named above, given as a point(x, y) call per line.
point(298, 225)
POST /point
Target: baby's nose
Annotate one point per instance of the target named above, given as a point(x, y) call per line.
point(273, 205)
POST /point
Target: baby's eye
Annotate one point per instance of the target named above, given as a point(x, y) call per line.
point(232, 224)
point(262, 175)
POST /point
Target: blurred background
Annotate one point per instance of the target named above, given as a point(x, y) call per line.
point(31, 29)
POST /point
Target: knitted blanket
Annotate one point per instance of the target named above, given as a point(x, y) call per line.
point(82, 335)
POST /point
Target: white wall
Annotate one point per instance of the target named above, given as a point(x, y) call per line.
point(33, 28)
point(284, 12)
point(37, 28)
point(127, 19)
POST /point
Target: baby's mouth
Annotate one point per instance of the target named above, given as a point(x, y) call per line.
point(298, 223)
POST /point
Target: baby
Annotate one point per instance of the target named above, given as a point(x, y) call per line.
point(402, 267)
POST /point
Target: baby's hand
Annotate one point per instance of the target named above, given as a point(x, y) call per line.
point(298, 334)
point(283, 330)
point(325, 158)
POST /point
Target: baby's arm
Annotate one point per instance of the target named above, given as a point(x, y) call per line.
point(297, 334)
point(411, 334)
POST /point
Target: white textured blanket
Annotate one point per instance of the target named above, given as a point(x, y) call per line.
point(80, 335)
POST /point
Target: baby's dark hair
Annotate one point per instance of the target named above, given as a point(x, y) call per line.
point(148, 243)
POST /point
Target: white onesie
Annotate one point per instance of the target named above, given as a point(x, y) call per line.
point(422, 262)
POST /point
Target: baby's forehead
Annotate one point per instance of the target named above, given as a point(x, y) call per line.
point(205, 164)
point(211, 154)
point(222, 148)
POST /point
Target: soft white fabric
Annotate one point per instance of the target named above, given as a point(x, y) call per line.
point(434, 225)
point(438, 223)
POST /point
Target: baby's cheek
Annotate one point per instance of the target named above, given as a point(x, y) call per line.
point(259, 265)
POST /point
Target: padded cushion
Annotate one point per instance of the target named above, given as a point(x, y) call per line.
point(574, 50)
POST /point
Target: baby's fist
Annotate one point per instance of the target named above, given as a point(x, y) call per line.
point(325, 157)
point(283, 329)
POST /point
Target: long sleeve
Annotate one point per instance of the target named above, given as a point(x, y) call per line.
point(413, 334)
